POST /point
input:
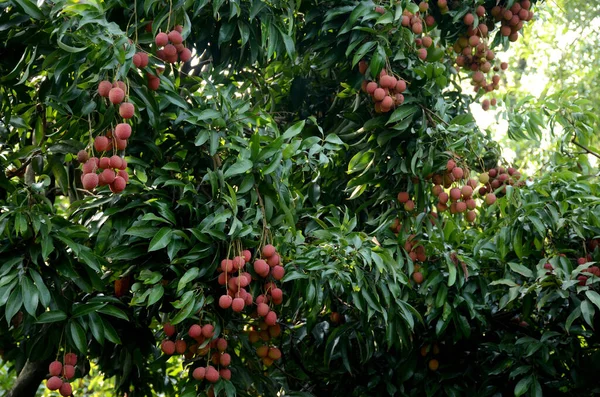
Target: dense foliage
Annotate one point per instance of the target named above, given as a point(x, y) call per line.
point(269, 136)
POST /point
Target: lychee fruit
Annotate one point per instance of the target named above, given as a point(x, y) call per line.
point(126, 110)
point(199, 373)
point(211, 375)
point(268, 251)
point(208, 331)
point(175, 37)
point(274, 353)
point(69, 371)
point(225, 359)
point(379, 94)
point(114, 162)
point(161, 39)
point(65, 389)
point(180, 346)
point(101, 143)
point(225, 301)
point(238, 305)
point(82, 156)
point(54, 383)
point(168, 347)
point(104, 88)
point(195, 331)
point(490, 198)
point(55, 368)
point(185, 55)
point(169, 329)
point(118, 184)
point(417, 277)
point(116, 95)
point(89, 181)
point(123, 131)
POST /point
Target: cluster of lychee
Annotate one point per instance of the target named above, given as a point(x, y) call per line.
point(386, 92)
point(109, 169)
point(172, 46)
point(496, 179)
point(415, 23)
point(460, 195)
point(513, 18)
point(582, 279)
point(60, 373)
point(433, 363)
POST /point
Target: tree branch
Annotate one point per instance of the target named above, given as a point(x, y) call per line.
point(29, 379)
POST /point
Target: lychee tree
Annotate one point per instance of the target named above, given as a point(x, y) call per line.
point(285, 197)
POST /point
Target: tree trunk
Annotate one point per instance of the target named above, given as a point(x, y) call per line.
point(29, 379)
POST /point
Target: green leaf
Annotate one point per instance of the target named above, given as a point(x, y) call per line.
point(53, 316)
point(523, 385)
point(187, 277)
point(96, 326)
point(85, 308)
point(594, 297)
point(239, 167)
point(30, 8)
point(30, 296)
point(184, 313)
point(362, 51)
point(110, 333)
point(114, 311)
point(294, 130)
point(587, 310)
point(402, 113)
point(78, 336)
point(41, 287)
point(157, 292)
point(161, 239)
point(14, 303)
point(521, 269)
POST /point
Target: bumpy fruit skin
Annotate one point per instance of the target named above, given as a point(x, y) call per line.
point(153, 83)
point(168, 347)
point(107, 176)
point(115, 161)
point(268, 251)
point(199, 373)
point(274, 353)
point(185, 55)
point(161, 39)
point(82, 156)
point(126, 110)
point(175, 37)
point(262, 351)
point(403, 197)
point(101, 143)
point(116, 95)
point(55, 368)
point(262, 309)
point(261, 267)
point(225, 359)
point(69, 371)
point(54, 383)
point(238, 305)
point(169, 329)
point(123, 131)
point(195, 331)
point(225, 301)
point(70, 359)
point(212, 375)
point(208, 331)
point(89, 181)
point(65, 389)
point(490, 198)
point(278, 272)
point(104, 88)
point(418, 277)
point(180, 346)
point(221, 344)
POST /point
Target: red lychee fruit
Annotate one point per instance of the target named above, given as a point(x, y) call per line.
point(403, 197)
point(104, 162)
point(379, 94)
point(89, 181)
point(82, 156)
point(104, 88)
point(69, 371)
point(169, 329)
point(274, 353)
point(195, 331)
point(225, 301)
point(271, 318)
point(238, 305)
point(274, 260)
point(278, 272)
point(118, 185)
point(450, 165)
point(153, 82)
point(199, 373)
point(268, 251)
point(185, 55)
point(225, 373)
point(371, 87)
point(362, 66)
point(247, 255)
point(168, 347)
point(211, 375)
point(417, 277)
point(101, 143)
point(225, 359)
point(161, 39)
point(276, 294)
point(116, 95)
point(115, 162)
point(123, 131)
point(126, 110)
point(55, 368)
point(107, 176)
point(470, 216)
point(54, 383)
point(262, 309)
point(65, 389)
point(175, 37)
point(467, 191)
point(180, 346)
point(490, 198)
point(208, 331)
point(458, 173)
point(469, 19)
